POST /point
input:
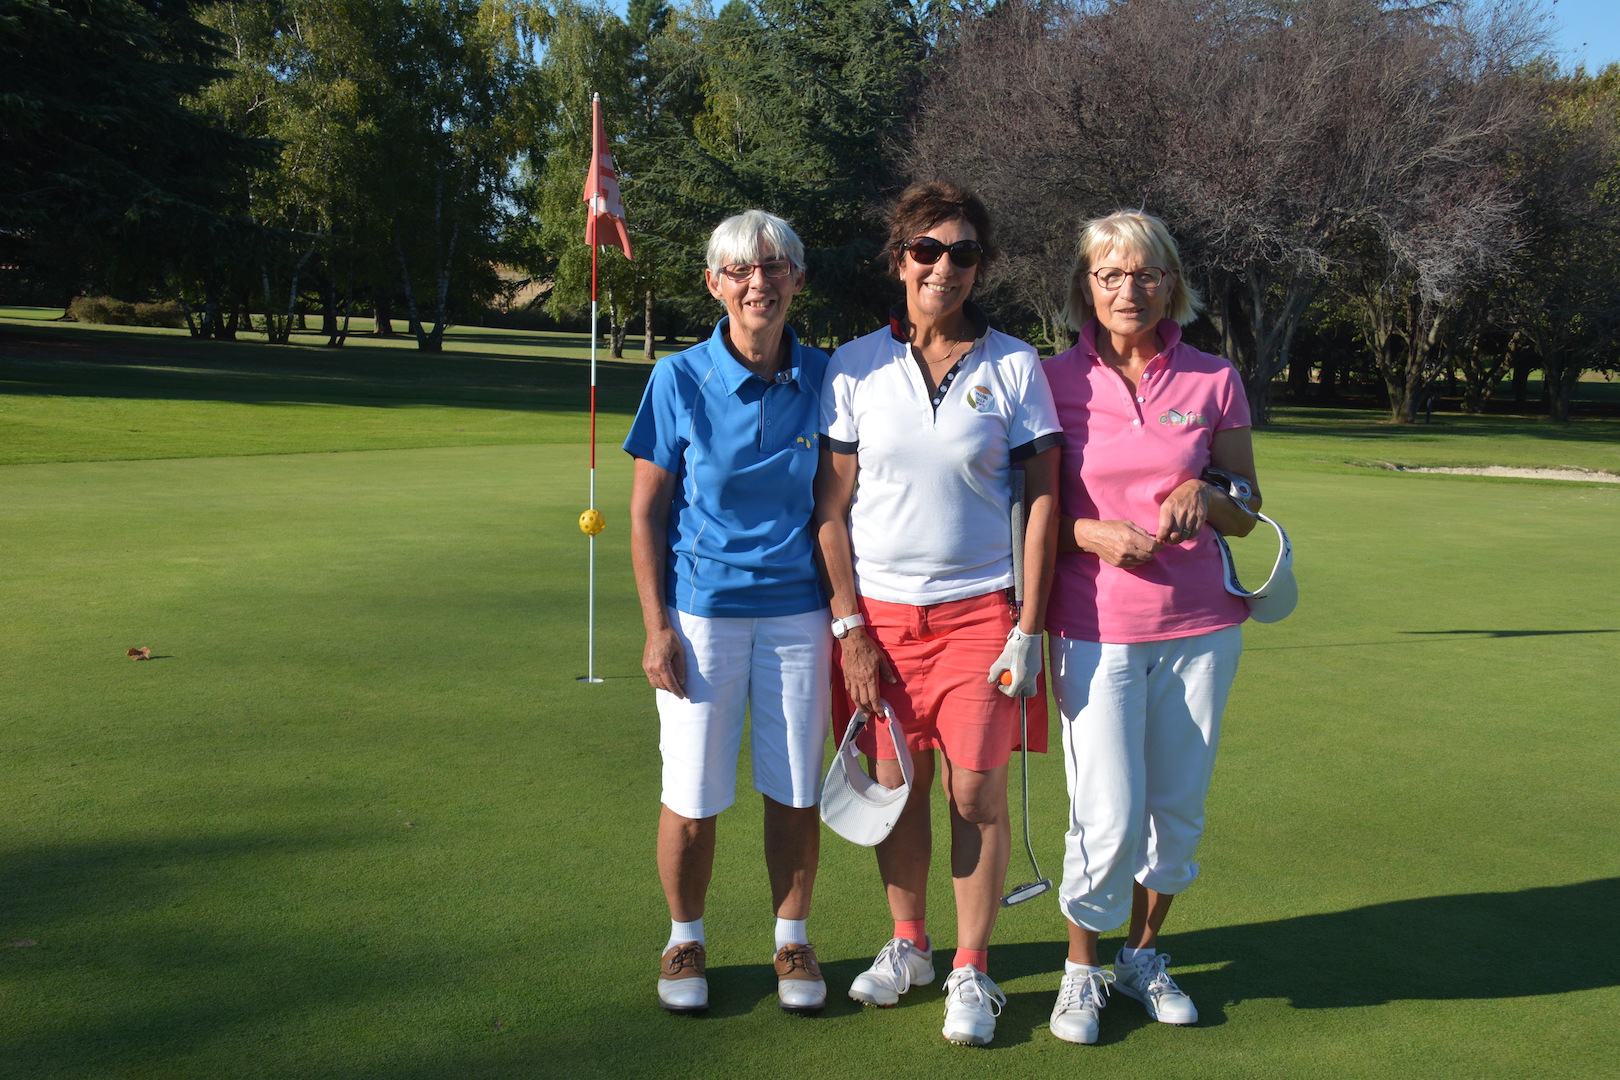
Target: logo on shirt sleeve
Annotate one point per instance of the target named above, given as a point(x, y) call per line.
point(980, 399)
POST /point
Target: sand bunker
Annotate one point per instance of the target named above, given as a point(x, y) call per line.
point(1587, 475)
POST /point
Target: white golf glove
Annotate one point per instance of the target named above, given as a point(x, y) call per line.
point(1021, 658)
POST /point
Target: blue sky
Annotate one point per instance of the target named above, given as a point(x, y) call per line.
point(1586, 31)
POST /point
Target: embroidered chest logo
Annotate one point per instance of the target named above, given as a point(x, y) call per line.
point(806, 442)
point(980, 399)
point(1183, 419)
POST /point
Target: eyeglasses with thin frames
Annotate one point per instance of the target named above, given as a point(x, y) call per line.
point(1112, 278)
point(926, 251)
point(773, 268)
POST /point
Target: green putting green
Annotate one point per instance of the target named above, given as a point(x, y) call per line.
point(356, 817)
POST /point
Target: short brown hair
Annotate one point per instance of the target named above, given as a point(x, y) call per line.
point(931, 202)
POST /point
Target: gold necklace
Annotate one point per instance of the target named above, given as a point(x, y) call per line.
point(949, 354)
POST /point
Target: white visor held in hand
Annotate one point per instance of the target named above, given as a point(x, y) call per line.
point(1275, 600)
point(854, 805)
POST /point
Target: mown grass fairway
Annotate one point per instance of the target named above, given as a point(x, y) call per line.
point(356, 819)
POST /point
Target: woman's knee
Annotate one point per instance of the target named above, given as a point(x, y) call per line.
point(985, 812)
point(979, 798)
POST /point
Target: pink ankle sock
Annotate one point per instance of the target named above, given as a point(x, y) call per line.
point(913, 930)
point(979, 958)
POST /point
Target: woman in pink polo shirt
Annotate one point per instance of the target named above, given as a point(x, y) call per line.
point(1144, 638)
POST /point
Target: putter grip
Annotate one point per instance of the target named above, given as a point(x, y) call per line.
point(1016, 513)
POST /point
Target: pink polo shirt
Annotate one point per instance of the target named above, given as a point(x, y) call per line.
point(1123, 456)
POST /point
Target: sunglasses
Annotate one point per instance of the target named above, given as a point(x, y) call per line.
point(926, 250)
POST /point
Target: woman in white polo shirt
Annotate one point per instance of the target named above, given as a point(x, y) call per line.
point(922, 423)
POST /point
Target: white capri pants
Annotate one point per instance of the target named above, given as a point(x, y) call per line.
point(779, 671)
point(1140, 728)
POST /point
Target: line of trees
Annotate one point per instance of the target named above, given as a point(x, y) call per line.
point(1412, 189)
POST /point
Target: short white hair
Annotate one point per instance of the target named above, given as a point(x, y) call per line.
point(745, 237)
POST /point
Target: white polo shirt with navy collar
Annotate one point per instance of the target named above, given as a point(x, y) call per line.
point(745, 452)
point(929, 522)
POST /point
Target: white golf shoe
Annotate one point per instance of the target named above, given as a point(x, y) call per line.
point(899, 966)
point(972, 1003)
point(1148, 982)
point(683, 986)
point(799, 986)
point(1080, 998)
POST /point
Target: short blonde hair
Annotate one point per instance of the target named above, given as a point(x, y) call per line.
point(1140, 234)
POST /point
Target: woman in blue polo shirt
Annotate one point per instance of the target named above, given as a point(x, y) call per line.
point(725, 447)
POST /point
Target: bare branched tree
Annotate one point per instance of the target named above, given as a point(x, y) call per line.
point(995, 118)
point(1278, 140)
point(1448, 221)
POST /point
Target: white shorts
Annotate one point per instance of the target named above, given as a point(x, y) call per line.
point(779, 671)
point(1141, 724)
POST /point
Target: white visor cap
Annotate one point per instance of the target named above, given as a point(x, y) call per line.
point(1276, 599)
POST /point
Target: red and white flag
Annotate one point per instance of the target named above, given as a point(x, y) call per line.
point(604, 221)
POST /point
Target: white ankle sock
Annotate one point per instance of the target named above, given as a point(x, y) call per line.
point(791, 932)
point(1072, 968)
point(682, 932)
point(1131, 956)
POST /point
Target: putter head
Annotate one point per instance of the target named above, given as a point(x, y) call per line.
point(1026, 892)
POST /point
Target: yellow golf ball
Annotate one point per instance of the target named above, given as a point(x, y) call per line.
point(591, 523)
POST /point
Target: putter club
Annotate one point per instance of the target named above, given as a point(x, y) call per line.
point(1026, 892)
point(1040, 884)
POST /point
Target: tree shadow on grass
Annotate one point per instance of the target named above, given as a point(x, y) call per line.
point(1368, 427)
point(1508, 633)
point(86, 362)
point(1436, 634)
point(141, 955)
point(1472, 946)
point(491, 337)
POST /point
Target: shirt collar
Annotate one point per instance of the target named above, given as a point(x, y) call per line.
point(732, 370)
point(975, 315)
point(1169, 333)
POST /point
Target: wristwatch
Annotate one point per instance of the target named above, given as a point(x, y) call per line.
point(842, 627)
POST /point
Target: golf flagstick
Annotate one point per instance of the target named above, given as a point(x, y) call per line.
point(1040, 884)
point(605, 208)
point(590, 238)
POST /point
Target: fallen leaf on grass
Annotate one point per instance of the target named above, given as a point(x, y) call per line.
point(142, 653)
point(408, 825)
point(25, 943)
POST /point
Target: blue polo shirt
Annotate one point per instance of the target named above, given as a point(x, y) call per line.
point(745, 453)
